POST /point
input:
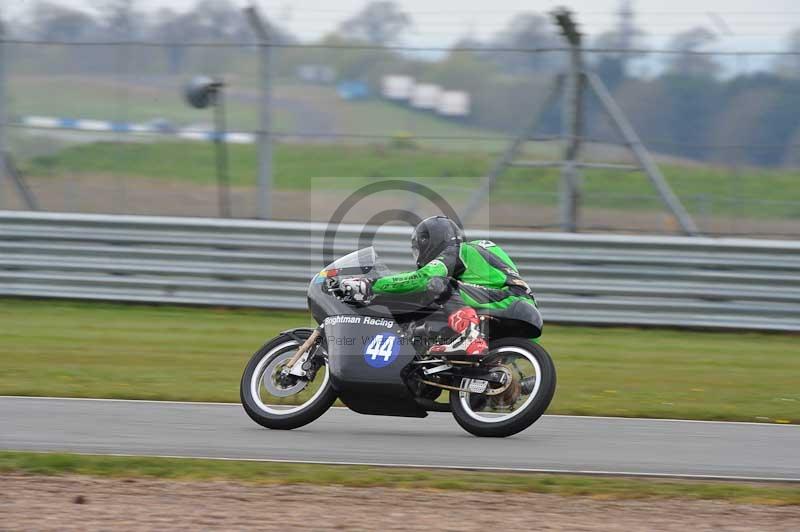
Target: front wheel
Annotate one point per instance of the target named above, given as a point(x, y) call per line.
point(530, 388)
point(276, 404)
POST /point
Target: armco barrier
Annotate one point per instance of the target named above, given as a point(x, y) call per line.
point(602, 279)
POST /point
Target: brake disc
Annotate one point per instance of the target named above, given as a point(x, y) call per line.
point(507, 382)
point(509, 395)
point(273, 371)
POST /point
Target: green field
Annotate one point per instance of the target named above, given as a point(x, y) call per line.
point(439, 148)
point(137, 101)
point(298, 164)
point(366, 476)
point(444, 148)
point(111, 100)
point(62, 348)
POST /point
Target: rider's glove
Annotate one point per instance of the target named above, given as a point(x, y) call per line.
point(356, 289)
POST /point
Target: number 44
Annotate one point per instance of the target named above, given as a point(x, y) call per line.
point(379, 347)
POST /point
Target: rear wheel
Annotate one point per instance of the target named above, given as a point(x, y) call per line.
point(531, 385)
point(284, 403)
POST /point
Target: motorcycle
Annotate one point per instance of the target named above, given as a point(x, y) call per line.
point(373, 356)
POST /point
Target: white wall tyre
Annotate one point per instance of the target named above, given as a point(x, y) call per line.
point(512, 412)
point(263, 407)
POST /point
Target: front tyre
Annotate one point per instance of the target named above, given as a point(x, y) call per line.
point(521, 403)
point(277, 405)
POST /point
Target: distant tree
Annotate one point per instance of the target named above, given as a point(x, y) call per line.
point(687, 62)
point(358, 63)
point(741, 123)
point(169, 30)
point(526, 31)
point(207, 21)
point(692, 103)
point(378, 23)
point(121, 19)
point(777, 124)
point(625, 37)
point(215, 21)
point(461, 71)
point(789, 65)
point(55, 22)
point(647, 105)
point(792, 156)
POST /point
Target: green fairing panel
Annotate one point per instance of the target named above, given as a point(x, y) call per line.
point(410, 282)
point(499, 253)
point(480, 272)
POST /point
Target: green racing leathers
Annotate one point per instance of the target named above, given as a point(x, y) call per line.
point(484, 276)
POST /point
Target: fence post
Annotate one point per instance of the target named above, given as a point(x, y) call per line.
point(572, 122)
point(264, 194)
point(3, 112)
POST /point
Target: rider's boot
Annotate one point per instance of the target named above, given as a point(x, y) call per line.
point(470, 340)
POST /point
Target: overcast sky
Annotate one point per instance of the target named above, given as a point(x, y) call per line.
point(741, 24)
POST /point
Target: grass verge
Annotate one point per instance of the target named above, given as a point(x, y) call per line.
point(75, 349)
point(300, 167)
point(367, 476)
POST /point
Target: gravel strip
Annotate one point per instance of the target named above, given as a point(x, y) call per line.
point(39, 503)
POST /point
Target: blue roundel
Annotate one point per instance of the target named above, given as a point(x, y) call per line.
point(381, 350)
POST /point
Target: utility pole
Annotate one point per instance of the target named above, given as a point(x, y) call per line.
point(572, 123)
point(264, 135)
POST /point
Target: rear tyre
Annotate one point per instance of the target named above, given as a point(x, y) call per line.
point(310, 402)
point(482, 415)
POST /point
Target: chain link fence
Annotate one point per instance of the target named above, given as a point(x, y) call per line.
point(103, 127)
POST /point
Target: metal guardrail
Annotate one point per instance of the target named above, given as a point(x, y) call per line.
point(591, 279)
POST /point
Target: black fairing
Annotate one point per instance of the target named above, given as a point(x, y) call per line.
point(362, 387)
point(520, 319)
point(348, 332)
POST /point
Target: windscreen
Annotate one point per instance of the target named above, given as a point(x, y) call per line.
point(363, 262)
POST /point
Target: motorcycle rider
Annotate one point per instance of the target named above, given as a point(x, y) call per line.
point(462, 276)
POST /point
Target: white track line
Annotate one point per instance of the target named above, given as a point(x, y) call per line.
point(611, 418)
point(686, 476)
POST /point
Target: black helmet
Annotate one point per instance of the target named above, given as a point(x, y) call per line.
point(432, 236)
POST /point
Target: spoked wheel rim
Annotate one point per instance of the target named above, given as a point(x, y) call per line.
point(487, 409)
point(268, 367)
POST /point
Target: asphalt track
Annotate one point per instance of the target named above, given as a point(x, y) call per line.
point(555, 443)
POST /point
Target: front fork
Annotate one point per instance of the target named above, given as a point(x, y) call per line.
point(296, 365)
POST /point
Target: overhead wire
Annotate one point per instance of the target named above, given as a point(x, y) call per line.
point(610, 13)
point(398, 47)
